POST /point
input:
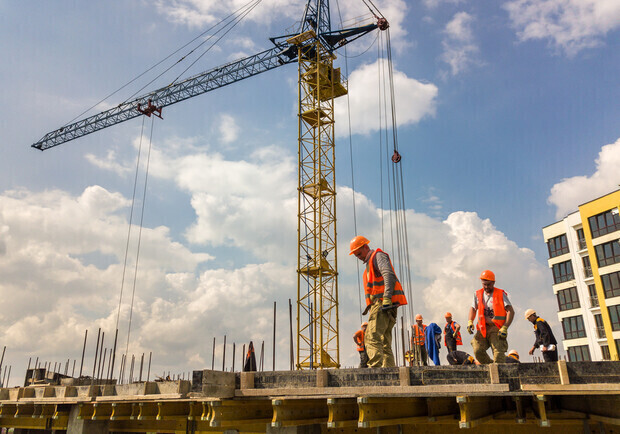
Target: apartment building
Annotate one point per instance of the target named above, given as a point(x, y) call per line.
point(584, 259)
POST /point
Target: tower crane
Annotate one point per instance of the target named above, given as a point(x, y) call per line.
point(313, 49)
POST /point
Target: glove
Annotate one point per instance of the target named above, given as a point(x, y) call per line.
point(387, 304)
point(470, 327)
point(503, 332)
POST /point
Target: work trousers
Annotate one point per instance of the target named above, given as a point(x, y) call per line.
point(481, 344)
point(450, 345)
point(420, 355)
point(550, 356)
point(378, 336)
point(363, 359)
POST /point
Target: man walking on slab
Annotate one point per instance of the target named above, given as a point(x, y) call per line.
point(383, 294)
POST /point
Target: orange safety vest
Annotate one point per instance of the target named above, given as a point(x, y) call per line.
point(418, 336)
point(374, 284)
point(499, 310)
point(457, 336)
point(359, 340)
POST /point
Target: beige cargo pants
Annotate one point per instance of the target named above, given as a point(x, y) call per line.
point(481, 344)
point(378, 336)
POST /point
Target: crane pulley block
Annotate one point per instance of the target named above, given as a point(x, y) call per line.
point(150, 109)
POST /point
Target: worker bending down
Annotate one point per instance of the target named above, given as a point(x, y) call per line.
point(383, 293)
point(461, 358)
point(495, 314)
point(358, 338)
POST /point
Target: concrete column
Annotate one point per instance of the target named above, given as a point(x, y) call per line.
point(81, 426)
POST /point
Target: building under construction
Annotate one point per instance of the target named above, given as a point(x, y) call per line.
point(573, 397)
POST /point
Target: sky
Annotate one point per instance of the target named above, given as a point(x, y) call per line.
point(507, 116)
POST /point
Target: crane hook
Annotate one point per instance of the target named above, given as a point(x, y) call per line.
point(396, 157)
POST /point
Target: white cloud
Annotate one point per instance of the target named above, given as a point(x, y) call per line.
point(459, 47)
point(415, 100)
point(432, 4)
point(109, 162)
point(569, 193)
point(229, 130)
point(569, 25)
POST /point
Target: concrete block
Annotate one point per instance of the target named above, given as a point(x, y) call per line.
point(4, 394)
point(247, 380)
point(403, 374)
point(322, 378)
point(493, 373)
point(218, 384)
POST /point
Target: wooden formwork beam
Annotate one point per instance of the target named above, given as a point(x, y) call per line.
point(229, 414)
point(85, 411)
point(148, 411)
point(375, 412)
point(102, 411)
point(290, 412)
point(123, 411)
point(343, 412)
point(476, 410)
point(173, 410)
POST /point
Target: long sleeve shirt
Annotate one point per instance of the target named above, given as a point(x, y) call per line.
point(544, 335)
point(382, 265)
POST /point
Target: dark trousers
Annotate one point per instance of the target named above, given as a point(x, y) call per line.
point(451, 346)
point(550, 356)
point(363, 359)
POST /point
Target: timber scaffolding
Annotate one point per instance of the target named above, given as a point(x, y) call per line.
point(551, 397)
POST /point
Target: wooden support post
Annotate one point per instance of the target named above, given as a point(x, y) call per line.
point(542, 411)
point(564, 379)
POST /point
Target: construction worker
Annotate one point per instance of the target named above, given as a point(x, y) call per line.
point(544, 337)
point(495, 314)
point(451, 333)
point(358, 338)
point(383, 294)
point(418, 342)
point(512, 357)
point(461, 358)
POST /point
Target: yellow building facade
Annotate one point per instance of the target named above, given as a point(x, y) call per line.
point(584, 258)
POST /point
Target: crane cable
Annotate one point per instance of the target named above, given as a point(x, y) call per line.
point(346, 72)
point(135, 276)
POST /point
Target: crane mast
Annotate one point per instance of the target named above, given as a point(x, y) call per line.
point(313, 47)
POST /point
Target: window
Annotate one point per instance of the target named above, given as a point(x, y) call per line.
point(611, 284)
point(600, 328)
point(605, 351)
point(573, 327)
point(587, 267)
point(563, 272)
point(557, 246)
point(579, 354)
point(568, 299)
point(608, 253)
point(593, 295)
point(581, 239)
point(604, 223)
point(614, 315)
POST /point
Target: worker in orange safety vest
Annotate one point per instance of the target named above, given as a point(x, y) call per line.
point(451, 333)
point(384, 294)
point(495, 314)
point(358, 338)
point(418, 341)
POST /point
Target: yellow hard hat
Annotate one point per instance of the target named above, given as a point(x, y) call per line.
point(357, 242)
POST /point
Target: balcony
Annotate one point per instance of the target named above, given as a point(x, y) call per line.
point(600, 332)
point(594, 301)
point(587, 271)
point(582, 244)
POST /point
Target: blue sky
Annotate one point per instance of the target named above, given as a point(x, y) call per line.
point(508, 119)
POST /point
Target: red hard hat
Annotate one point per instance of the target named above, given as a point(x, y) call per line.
point(357, 242)
point(448, 315)
point(364, 324)
point(487, 275)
